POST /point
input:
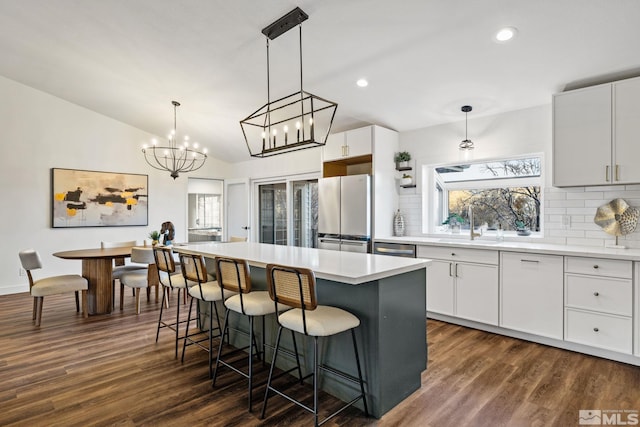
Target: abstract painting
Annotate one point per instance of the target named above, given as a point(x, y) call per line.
point(98, 199)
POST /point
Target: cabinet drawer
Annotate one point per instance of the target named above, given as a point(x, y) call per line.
point(480, 256)
point(599, 294)
point(599, 330)
point(598, 267)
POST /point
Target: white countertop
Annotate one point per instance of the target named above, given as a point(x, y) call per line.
point(346, 267)
point(511, 246)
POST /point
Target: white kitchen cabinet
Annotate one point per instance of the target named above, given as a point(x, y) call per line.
point(531, 293)
point(462, 283)
point(440, 288)
point(594, 135)
point(599, 303)
point(626, 130)
point(352, 143)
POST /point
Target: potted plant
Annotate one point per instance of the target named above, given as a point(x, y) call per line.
point(406, 179)
point(154, 236)
point(453, 221)
point(402, 159)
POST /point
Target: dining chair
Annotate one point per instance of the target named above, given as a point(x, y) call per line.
point(120, 266)
point(140, 278)
point(30, 260)
point(295, 288)
point(234, 276)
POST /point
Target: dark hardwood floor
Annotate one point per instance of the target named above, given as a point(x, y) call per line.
point(108, 370)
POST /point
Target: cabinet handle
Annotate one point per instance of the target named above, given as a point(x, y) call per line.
point(530, 260)
point(453, 254)
point(596, 294)
point(596, 329)
point(450, 271)
point(606, 173)
point(596, 266)
point(617, 172)
point(455, 270)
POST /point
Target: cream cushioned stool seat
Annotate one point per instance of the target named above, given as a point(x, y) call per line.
point(321, 322)
point(30, 260)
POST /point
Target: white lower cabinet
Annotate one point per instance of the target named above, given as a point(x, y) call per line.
point(531, 287)
point(599, 303)
point(457, 286)
point(594, 302)
point(599, 330)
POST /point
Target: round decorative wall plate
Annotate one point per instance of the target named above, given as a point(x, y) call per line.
point(617, 217)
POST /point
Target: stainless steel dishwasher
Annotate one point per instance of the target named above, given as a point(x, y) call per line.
point(395, 249)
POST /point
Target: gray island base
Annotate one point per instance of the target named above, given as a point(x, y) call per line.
point(391, 308)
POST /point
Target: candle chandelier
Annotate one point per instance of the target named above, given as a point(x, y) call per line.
point(175, 157)
point(295, 122)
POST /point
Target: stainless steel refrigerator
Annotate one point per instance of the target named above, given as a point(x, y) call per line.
point(344, 213)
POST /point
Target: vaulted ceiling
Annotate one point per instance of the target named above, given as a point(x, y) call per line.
point(424, 59)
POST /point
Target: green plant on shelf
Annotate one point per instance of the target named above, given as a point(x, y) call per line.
point(403, 156)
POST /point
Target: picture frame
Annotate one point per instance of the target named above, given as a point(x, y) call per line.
point(83, 198)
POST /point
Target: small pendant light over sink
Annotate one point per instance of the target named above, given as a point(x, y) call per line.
point(467, 144)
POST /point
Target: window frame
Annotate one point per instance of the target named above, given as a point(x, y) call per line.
point(432, 209)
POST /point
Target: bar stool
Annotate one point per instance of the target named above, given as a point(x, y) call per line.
point(296, 288)
point(233, 275)
point(201, 287)
point(169, 280)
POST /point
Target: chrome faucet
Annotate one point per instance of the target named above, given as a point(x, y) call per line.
point(472, 233)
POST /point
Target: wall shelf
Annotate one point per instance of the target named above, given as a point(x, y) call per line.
point(404, 168)
point(408, 186)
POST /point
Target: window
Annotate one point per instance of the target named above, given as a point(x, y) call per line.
point(504, 193)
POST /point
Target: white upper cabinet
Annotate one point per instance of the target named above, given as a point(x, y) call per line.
point(593, 135)
point(626, 135)
point(352, 143)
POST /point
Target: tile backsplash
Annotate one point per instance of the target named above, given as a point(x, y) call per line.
point(567, 214)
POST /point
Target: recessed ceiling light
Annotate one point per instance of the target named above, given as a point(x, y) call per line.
point(362, 83)
point(506, 34)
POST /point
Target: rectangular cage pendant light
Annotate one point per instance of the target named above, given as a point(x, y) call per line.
point(295, 122)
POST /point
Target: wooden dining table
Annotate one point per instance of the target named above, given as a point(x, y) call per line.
point(97, 268)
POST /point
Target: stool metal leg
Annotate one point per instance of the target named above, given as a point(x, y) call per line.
point(315, 381)
point(164, 295)
point(355, 349)
point(251, 348)
point(177, 324)
point(225, 330)
point(186, 334)
point(273, 364)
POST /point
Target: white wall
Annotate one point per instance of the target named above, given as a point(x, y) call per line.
point(297, 162)
point(41, 132)
point(512, 134)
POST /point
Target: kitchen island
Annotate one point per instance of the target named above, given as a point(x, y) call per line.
point(386, 293)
